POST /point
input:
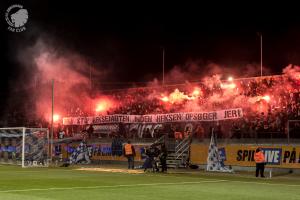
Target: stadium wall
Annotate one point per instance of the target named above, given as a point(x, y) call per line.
point(239, 155)
point(103, 152)
point(277, 156)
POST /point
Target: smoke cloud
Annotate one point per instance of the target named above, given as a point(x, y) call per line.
point(45, 61)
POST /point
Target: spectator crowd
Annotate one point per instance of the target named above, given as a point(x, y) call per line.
point(268, 103)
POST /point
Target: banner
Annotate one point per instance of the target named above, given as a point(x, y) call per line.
point(83, 153)
point(243, 155)
point(105, 128)
point(157, 118)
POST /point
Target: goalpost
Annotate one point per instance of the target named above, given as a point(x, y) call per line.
point(28, 147)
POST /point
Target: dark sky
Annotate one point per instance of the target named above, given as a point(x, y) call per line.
point(128, 38)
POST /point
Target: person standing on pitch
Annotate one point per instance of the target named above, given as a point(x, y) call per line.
point(259, 158)
point(163, 158)
point(129, 152)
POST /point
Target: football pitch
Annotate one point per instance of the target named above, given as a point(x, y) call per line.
point(69, 183)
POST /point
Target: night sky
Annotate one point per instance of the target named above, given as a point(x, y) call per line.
point(129, 38)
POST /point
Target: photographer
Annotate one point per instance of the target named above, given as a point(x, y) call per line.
point(151, 161)
point(163, 158)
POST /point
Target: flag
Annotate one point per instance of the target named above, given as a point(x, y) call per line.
point(214, 160)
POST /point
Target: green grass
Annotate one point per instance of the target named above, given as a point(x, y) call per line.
point(67, 183)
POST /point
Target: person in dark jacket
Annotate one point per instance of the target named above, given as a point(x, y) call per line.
point(152, 153)
point(163, 158)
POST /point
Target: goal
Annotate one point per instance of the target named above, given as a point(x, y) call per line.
point(28, 147)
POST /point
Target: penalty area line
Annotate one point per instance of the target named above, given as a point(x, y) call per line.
point(110, 186)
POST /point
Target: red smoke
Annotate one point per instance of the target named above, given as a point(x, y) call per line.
point(293, 72)
point(47, 61)
point(73, 97)
point(231, 92)
point(70, 86)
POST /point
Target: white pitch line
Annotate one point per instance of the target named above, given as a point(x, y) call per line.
point(223, 180)
point(262, 183)
point(26, 171)
point(237, 181)
point(110, 186)
point(147, 184)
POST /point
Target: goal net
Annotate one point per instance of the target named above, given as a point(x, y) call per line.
point(28, 147)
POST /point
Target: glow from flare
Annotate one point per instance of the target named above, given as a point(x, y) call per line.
point(165, 99)
point(267, 98)
point(177, 96)
point(56, 118)
point(228, 85)
point(196, 92)
point(103, 105)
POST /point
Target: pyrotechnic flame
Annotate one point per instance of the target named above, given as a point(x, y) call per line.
point(267, 98)
point(165, 99)
point(228, 85)
point(100, 107)
point(103, 105)
point(178, 97)
point(56, 118)
point(196, 92)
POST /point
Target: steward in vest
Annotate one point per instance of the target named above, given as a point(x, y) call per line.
point(129, 152)
point(259, 158)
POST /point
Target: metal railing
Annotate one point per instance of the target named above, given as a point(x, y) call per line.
point(182, 148)
point(159, 140)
